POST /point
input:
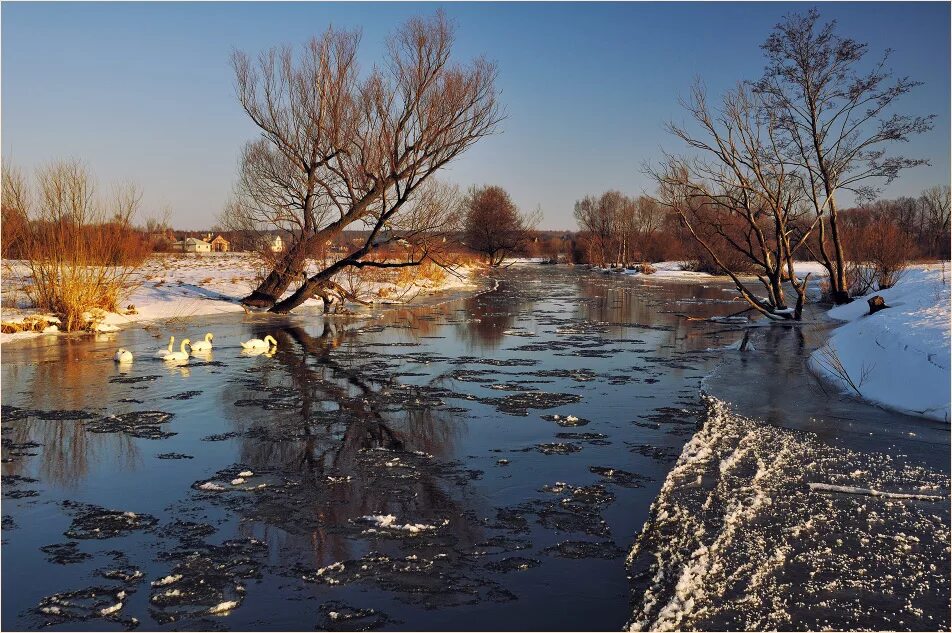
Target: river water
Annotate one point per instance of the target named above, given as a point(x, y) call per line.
point(478, 463)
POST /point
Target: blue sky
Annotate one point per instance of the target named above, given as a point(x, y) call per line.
point(143, 91)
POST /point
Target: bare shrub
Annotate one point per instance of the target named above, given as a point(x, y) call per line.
point(860, 278)
point(879, 250)
point(828, 359)
point(81, 248)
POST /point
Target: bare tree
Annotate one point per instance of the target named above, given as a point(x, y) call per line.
point(738, 191)
point(618, 228)
point(494, 226)
point(936, 203)
point(337, 150)
point(14, 221)
point(838, 121)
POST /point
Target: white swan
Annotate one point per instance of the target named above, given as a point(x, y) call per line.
point(257, 343)
point(203, 346)
point(180, 355)
point(162, 352)
point(123, 356)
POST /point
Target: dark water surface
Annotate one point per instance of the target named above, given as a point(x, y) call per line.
point(483, 463)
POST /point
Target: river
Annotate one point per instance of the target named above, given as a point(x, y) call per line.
point(476, 463)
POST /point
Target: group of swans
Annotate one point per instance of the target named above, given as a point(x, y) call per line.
point(254, 346)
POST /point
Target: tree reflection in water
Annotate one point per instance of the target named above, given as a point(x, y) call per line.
point(57, 382)
point(331, 407)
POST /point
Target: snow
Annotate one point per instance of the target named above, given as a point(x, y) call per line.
point(186, 285)
point(110, 610)
point(899, 357)
point(223, 608)
point(389, 521)
point(741, 513)
point(677, 271)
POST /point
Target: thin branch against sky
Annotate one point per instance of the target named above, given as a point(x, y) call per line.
point(143, 91)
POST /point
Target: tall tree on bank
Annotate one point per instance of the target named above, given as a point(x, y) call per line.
point(838, 121)
point(340, 151)
point(739, 195)
point(494, 226)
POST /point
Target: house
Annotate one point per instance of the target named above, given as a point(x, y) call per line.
point(192, 245)
point(276, 244)
point(220, 244)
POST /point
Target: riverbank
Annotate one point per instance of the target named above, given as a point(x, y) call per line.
point(183, 286)
point(899, 357)
point(786, 484)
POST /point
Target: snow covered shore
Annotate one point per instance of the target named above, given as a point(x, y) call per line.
point(898, 357)
point(189, 285)
point(677, 270)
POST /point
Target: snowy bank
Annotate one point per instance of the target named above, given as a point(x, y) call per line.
point(678, 271)
point(189, 285)
point(898, 357)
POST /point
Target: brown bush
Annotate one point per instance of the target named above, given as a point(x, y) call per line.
point(879, 250)
point(80, 248)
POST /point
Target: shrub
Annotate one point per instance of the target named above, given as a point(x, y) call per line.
point(879, 251)
point(81, 249)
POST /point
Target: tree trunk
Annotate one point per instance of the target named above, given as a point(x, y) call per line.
point(307, 290)
point(840, 292)
point(276, 283)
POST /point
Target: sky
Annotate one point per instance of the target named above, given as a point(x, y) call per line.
point(144, 91)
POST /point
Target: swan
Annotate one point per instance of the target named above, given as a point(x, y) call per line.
point(257, 343)
point(123, 356)
point(162, 352)
point(180, 355)
point(203, 346)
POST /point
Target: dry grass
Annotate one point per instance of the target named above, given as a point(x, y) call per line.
point(81, 249)
point(31, 323)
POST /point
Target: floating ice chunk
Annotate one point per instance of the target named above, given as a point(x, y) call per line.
point(110, 610)
point(389, 521)
point(223, 608)
point(168, 580)
point(246, 473)
point(210, 485)
point(237, 481)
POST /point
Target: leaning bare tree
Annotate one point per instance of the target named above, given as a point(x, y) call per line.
point(838, 121)
point(494, 226)
point(738, 193)
point(340, 151)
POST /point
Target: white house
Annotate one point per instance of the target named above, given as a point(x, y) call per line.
point(192, 245)
point(276, 243)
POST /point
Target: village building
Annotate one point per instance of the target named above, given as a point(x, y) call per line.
point(220, 245)
point(192, 245)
